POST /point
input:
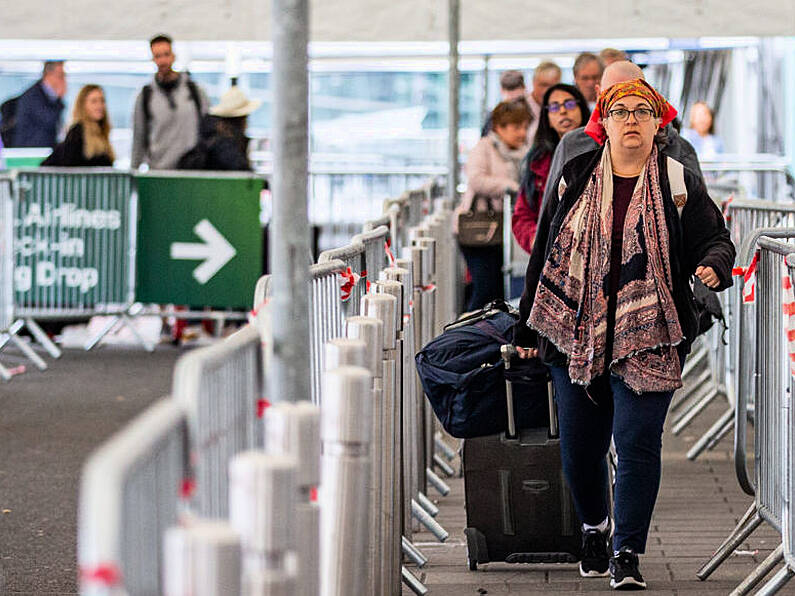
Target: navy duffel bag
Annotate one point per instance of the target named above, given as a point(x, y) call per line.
point(464, 377)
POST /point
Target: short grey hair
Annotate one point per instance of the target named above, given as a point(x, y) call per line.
point(584, 59)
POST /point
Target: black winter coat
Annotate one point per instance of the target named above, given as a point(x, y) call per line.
point(70, 153)
point(698, 238)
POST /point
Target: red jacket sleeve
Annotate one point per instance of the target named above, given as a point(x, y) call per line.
point(524, 222)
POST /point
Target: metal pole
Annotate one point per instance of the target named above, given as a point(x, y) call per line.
point(453, 27)
point(289, 251)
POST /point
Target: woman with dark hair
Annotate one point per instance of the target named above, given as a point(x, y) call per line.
point(563, 109)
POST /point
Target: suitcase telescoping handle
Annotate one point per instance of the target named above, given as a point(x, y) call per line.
point(507, 351)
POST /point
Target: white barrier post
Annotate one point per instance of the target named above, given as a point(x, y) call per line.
point(346, 410)
point(203, 559)
point(344, 351)
point(384, 308)
point(294, 430)
point(262, 490)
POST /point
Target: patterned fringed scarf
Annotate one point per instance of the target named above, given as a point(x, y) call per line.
point(570, 307)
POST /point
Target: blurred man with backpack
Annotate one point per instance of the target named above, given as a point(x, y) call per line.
point(167, 112)
point(33, 119)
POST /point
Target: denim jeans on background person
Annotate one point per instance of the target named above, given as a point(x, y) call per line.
point(485, 268)
point(636, 423)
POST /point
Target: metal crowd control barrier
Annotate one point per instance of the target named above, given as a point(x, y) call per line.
point(374, 243)
point(354, 270)
point(129, 495)
point(748, 354)
point(9, 326)
point(326, 316)
point(762, 175)
point(75, 237)
point(743, 216)
point(221, 387)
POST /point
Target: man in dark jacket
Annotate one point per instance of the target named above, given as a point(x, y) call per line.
point(39, 109)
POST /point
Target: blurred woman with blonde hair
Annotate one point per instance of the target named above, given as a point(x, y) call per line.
point(87, 144)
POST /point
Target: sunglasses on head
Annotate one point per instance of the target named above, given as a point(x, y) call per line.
point(569, 104)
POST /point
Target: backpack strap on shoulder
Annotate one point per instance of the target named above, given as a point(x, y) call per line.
point(146, 104)
point(676, 179)
point(193, 89)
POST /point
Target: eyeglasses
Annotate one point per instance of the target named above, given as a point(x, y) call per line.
point(622, 114)
point(569, 104)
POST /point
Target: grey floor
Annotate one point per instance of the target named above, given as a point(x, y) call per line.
point(49, 422)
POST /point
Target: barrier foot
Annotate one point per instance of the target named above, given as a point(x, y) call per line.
point(25, 348)
point(92, 343)
point(427, 504)
point(749, 522)
point(758, 574)
point(687, 392)
point(437, 483)
point(5, 374)
point(412, 552)
point(41, 337)
point(776, 582)
point(723, 432)
point(443, 466)
point(426, 520)
point(709, 436)
point(128, 322)
point(697, 408)
point(446, 450)
point(692, 362)
point(412, 582)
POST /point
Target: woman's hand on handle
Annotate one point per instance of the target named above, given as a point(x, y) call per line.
point(708, 276)
point(527, 352)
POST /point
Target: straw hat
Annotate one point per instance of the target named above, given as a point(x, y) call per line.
point(234, 103)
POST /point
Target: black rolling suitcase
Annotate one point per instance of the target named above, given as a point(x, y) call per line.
point(519, 508)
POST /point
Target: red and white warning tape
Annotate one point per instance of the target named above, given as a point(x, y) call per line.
point(788, 308)
point(749, 279)
point(348, 281)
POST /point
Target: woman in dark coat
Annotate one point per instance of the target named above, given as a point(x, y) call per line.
point(87, 143)
point(608, 307)
point(562, 110)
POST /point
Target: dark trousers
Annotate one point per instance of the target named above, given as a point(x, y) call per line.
point(636, 424)
point(485, 267)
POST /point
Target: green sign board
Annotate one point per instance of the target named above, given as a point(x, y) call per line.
point(199, 239)
point(72, 240)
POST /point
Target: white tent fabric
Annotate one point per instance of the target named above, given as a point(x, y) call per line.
point(387, 20)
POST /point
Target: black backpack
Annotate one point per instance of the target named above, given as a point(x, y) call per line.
point(8, 120)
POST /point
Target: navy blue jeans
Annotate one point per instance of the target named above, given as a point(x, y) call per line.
point(636, 423)
point(485, 267)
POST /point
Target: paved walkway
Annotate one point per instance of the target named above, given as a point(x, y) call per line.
point(699, 504)
point(49, 422)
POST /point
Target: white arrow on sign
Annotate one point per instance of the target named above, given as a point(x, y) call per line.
point(215, 250)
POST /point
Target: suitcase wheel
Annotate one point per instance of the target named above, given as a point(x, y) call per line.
point(476, 548)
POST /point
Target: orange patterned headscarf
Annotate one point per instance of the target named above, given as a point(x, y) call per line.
point(638, 87)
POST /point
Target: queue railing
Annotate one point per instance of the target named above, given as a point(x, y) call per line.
point(218, 391)
point(131, 491)
point(719, 349)
point(221, 388)
point(750, 371)
point(749, 176)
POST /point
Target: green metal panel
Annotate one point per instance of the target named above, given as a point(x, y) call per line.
point(199, 239)
point(72, 240)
